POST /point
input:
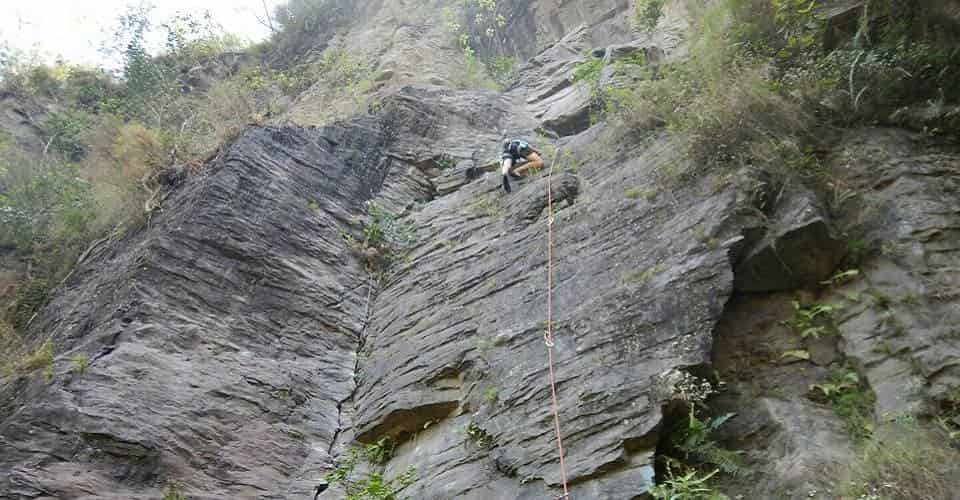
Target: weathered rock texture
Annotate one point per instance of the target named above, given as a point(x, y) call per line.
point(241, 341)
point(222, 337)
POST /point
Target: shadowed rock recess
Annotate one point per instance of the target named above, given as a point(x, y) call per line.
point(242, 340)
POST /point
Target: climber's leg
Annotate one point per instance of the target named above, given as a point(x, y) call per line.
point(505, 171)
point(534, 162)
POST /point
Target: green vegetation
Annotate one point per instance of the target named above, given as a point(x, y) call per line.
point(801, 354)
point(491, 394)
point(331, 87)
point(647, 13)
point(478, 26)
point(903, 462)
point(696, 446)
point(948, 418)
point(764, 76)
point(80, 363)
point(642, 276)
point(385, 230)
point(692, 458)
point(479, 435)
point(851, 399)
point(299, 24)
point(812, 320)
point(97, 170)
point(701, 234)
point(841, 278)
point(174, 492)
point(373, 485)
point(16, 359)
point(692, 485)
point(588, 74)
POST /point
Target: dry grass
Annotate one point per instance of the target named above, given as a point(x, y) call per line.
point(904, 462)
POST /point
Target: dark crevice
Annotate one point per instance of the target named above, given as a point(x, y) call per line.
point(361, 341)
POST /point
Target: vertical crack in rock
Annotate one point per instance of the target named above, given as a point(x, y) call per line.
point(356, 367)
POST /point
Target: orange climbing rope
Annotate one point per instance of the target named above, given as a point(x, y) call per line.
point(548, 334)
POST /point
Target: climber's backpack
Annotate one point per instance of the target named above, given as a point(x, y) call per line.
point(517, 150)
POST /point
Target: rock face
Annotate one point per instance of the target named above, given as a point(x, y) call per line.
point(222, 337)
point(899, 320)
point(243, 339)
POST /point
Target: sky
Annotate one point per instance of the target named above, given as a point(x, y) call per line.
point(77, 29)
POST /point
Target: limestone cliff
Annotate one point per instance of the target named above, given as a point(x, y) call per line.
point(241, 341)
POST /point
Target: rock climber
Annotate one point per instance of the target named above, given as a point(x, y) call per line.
point(518, 158)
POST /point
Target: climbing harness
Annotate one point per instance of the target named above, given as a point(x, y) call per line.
point(548, 334)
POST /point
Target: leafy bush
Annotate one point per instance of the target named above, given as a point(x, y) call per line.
point(302, 23)
point(65, 132)
point(478, 29)
point(42, 200)
point(647, 13)
point(761, 74)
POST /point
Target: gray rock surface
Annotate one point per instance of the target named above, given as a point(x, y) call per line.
point(463, 316)
point(899, 321)
point(222, 338)
point(20, 122)
point(791, 445)
point(243, 340)
point(799, 249)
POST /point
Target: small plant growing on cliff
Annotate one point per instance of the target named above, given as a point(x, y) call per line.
point(695, 442)
point(380, 452)
point(385, 228)
point(851, 399)
point(690, 485)
point(174, 492)
point(41, 358)
point(80, 363)
point(841, 278)
point(373, 486)
point(479, 435)
point(812, 320)
point(692, 456)
point(588, 74)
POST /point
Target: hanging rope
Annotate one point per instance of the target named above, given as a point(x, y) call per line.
point(548, 334)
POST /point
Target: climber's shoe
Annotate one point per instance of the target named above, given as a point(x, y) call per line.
point(321, 487)
point(515, 176)
point(506, 183)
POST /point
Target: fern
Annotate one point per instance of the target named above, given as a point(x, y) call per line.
point(694, 441)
